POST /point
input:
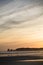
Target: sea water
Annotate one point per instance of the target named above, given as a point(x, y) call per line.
point(21, 53)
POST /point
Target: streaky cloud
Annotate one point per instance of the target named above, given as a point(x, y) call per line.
point(17, 12)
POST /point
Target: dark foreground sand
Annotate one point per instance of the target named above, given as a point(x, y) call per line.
point(14, 58)
point(19, 60)
point(22, 63)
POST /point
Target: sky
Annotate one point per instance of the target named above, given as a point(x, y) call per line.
point(21, 24)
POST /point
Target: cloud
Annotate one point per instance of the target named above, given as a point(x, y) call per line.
point(18, 12)
point(4, 2)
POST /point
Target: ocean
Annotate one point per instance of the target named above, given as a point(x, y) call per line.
point(21, 53)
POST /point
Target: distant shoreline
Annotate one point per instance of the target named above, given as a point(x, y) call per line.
point(26, 49)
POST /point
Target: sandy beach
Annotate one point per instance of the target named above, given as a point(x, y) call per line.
point(21, 60)
point(15, 58)
point(22, 63)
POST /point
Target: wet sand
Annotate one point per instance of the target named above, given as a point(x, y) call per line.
point(19, 60)
point(22, 63)
point(14, 58)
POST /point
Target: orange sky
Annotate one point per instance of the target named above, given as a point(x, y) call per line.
point(16, 40)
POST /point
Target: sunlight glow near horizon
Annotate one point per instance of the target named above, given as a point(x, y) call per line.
point(21, 23)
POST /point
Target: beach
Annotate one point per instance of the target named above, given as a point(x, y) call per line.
point(21, 60)
point(22, 63)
